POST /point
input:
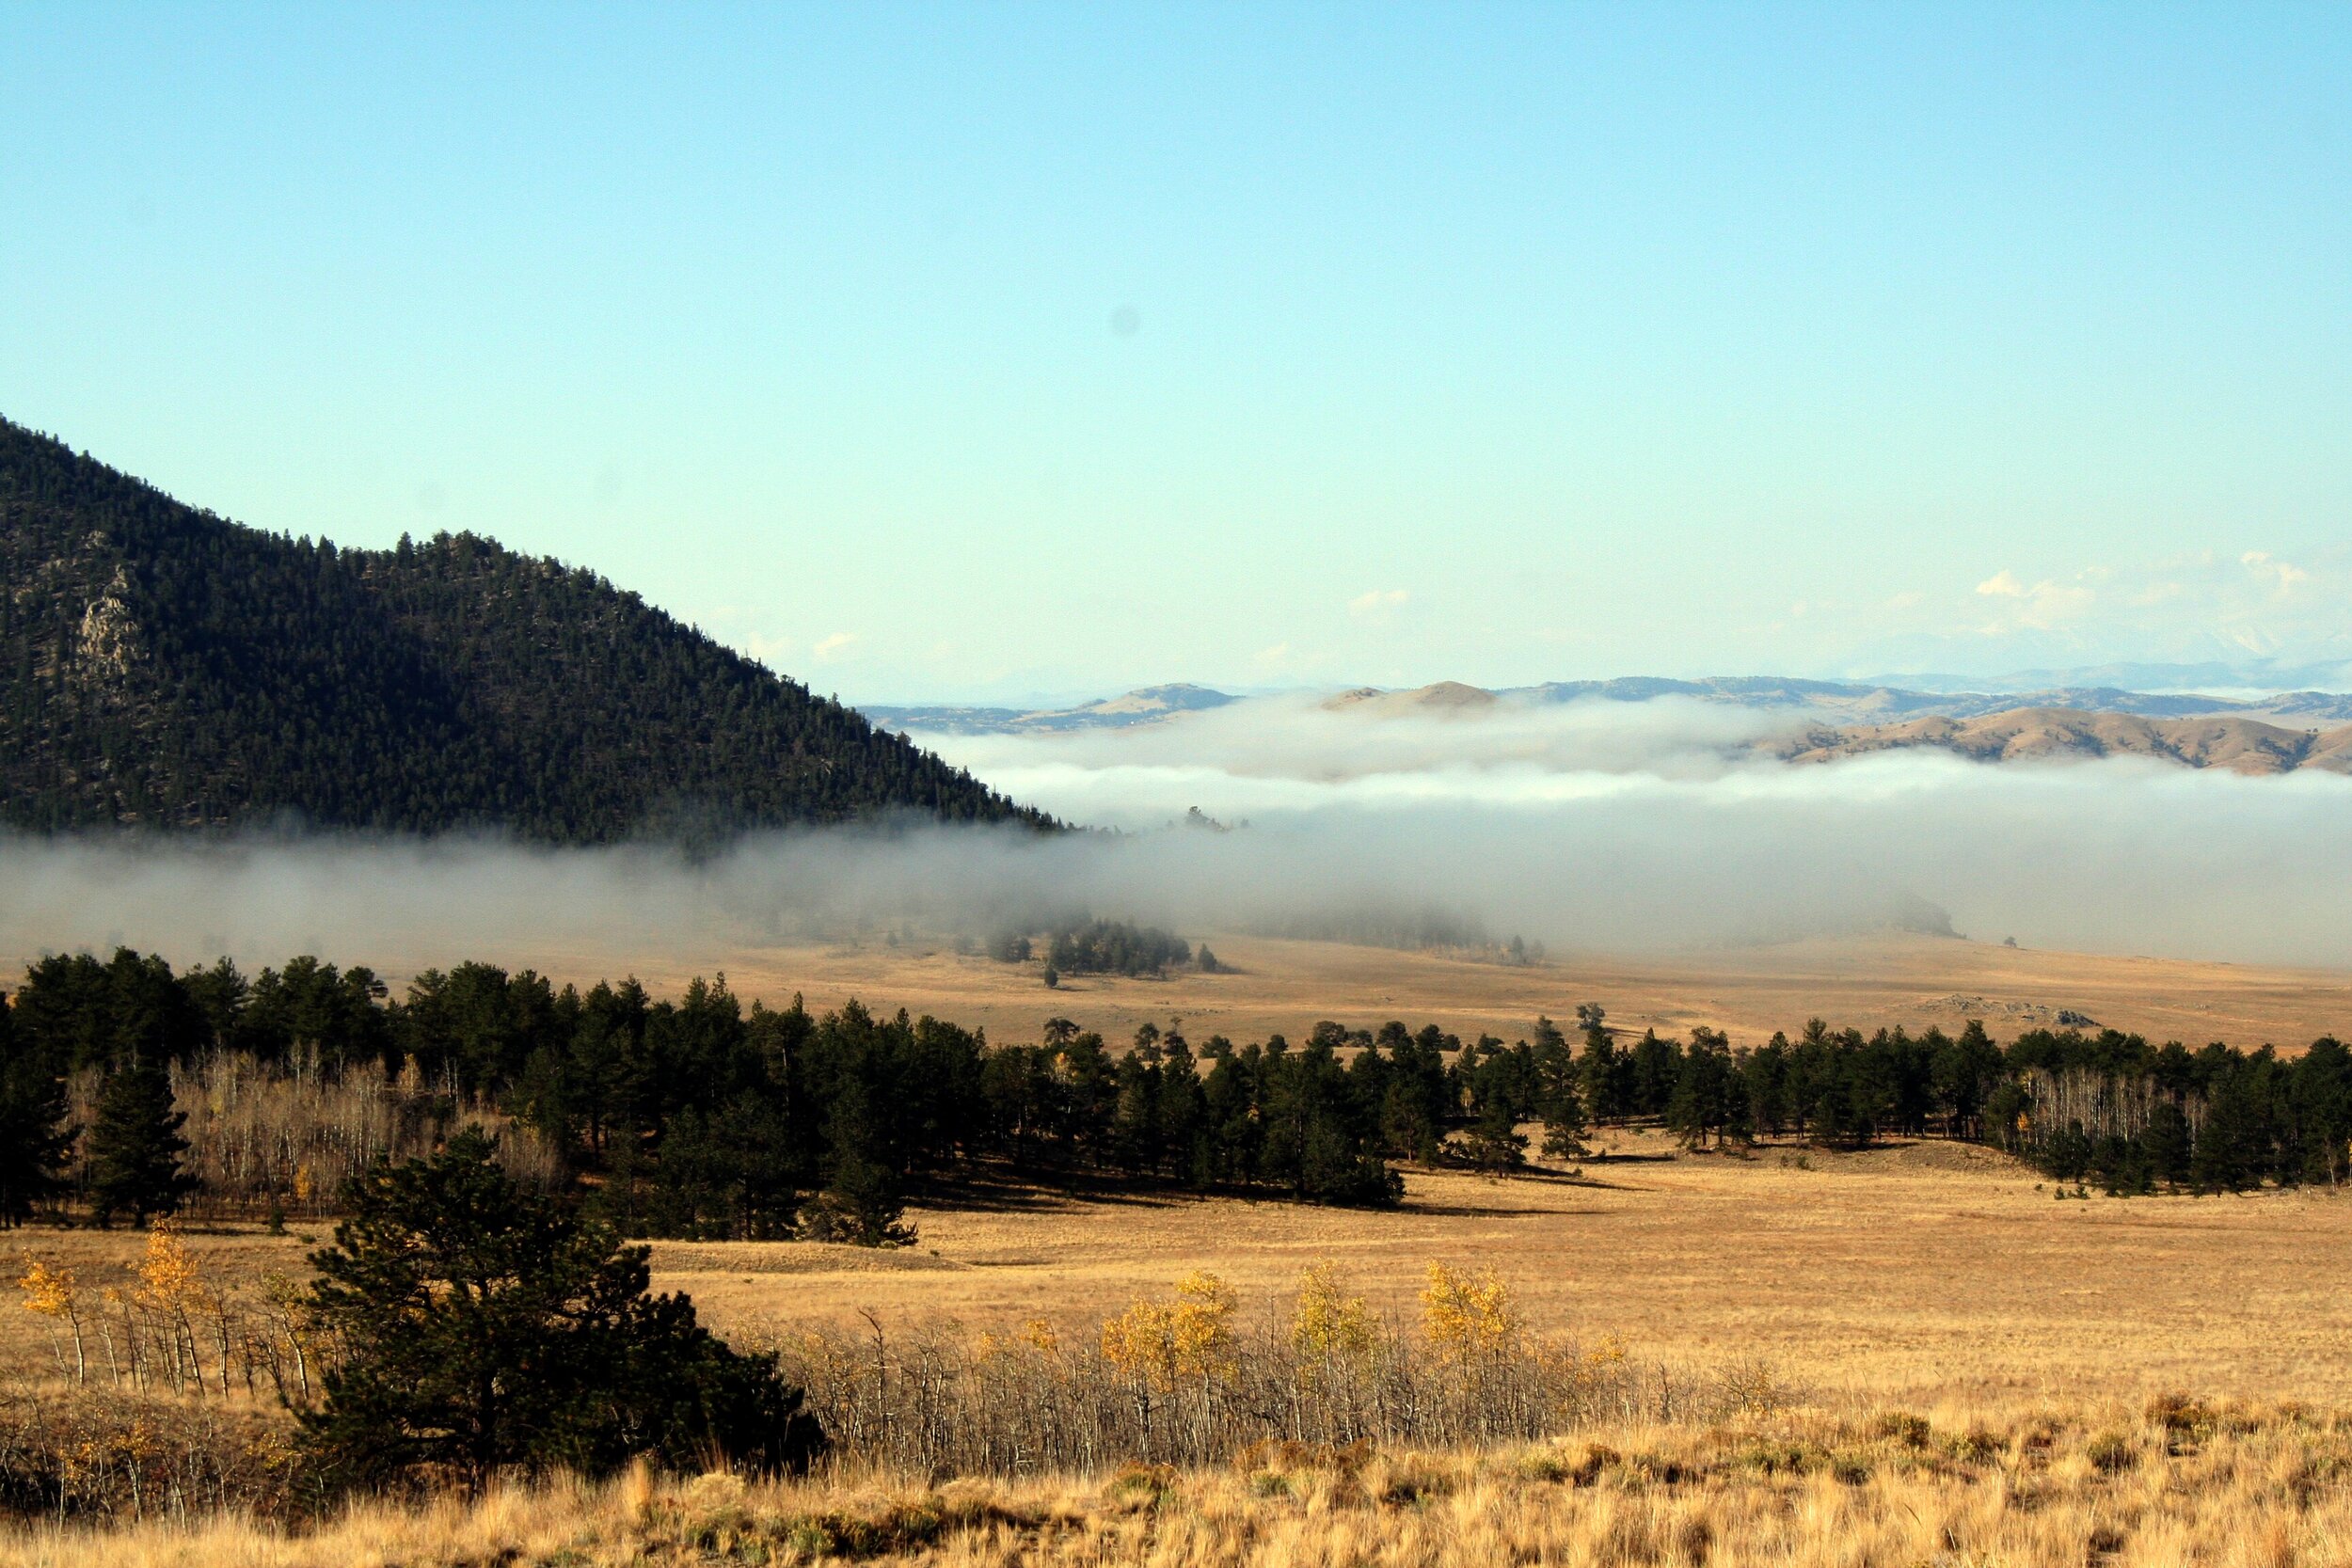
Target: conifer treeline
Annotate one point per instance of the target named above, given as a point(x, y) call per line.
point(698, 1116)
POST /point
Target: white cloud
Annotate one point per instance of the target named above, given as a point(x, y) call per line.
point(2282, 575)
point(830, 648)
point(1378, 605)
point(2044, 605)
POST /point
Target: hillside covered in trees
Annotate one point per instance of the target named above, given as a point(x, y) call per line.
point(161, 666)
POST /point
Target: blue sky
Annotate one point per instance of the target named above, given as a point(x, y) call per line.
point(945, 352)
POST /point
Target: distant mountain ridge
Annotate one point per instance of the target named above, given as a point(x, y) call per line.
point(1844, 702)
point(1827, 720)
point(1145, 705)
point(161, 666)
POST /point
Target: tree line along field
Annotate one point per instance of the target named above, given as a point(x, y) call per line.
point(698, 1118)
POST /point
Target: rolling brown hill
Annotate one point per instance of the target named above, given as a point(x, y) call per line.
point(1443, 699)
point(2239, 745)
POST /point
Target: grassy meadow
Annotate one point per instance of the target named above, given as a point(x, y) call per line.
point(1870, 981)
point(1910, 1355)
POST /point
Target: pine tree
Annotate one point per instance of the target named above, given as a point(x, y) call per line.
point(1494, 1141)
point(860, 1205)
point(1558, 1101)
point(135, 1146)
point(487, 1330)
point(35, 1141)
point(2168, 1142)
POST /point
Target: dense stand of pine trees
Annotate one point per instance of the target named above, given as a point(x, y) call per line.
point(697, 1117)
point(161, 666)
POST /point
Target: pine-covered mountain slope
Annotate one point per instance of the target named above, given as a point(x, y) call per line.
point(162, 666)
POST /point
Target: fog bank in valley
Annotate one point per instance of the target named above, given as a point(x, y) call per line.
point(1602, 827)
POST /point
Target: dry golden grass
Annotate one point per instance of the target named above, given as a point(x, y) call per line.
point(1921, 1271)
point(2017, 1486)
point(2030, 1333)
point(1865, 982)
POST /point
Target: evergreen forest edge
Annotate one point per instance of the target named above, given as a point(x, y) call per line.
point(697, 1117)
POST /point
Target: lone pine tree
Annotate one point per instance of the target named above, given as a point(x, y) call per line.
point(490, 1330)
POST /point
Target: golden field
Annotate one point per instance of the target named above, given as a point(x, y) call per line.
point(1923, 1271)
point(1883, 979)
point(1917, 1272)
point(1966, 1371)
point(1863, 982)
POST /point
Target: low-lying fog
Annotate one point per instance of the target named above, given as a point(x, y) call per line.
point(1595, 827)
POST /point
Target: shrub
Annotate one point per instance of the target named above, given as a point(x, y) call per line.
point(1910, 1429)
point(2111, 1453)
point(1468, 1315)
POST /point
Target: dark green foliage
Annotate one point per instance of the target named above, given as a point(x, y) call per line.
point(1559, 1093)
point(1654, 1070)
point(1708, 1101)
point(308, 1008)
point(2166, 1141)
point(135, 1146)
point(861, 1204)
point(696, 1117)
point(1260, 1118)
point(163, 667)
point(1115, 947)
point(485, 1330)
point(1495, 1089)
point(35, 1141)
point(76, 1012)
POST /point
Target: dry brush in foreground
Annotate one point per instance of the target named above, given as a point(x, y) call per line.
point(2174, 1483)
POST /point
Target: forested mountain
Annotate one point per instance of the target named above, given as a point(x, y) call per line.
point(160, 665)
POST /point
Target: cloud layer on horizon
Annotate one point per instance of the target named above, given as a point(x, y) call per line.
point(1607, 827)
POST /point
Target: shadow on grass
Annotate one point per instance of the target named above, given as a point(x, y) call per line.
point(1487, 1211)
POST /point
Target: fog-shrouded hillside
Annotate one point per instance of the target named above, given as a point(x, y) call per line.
point(162, 666)
point(2238, 744)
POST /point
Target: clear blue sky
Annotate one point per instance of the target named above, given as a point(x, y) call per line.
point(947, 351)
